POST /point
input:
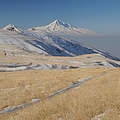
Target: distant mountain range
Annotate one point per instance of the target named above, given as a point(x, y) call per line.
point(49, 40)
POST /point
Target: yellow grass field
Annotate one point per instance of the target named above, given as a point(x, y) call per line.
point(98, 96)
point(22, 86)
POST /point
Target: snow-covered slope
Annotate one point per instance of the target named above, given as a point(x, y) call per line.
point(18, 40)
point(43, 43)
point(60, 28)
point(62, 46)
point(57, 46)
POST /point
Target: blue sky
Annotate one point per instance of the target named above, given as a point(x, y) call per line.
point(99, 15)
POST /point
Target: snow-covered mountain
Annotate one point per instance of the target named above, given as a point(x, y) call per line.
point(43, 43)
point(43, 40)
point(11, 27)
point(60, 28)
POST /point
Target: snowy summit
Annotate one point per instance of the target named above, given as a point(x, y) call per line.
point(11, 27)
point(60, 27)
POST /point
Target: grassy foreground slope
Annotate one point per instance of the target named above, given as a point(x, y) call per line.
point(22, 86)
point(100, 96)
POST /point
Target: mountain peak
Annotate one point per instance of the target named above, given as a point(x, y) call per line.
point(59, 23)
point(11, 27)
point(62, 28)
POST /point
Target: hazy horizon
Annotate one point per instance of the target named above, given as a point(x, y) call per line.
point(105, 43)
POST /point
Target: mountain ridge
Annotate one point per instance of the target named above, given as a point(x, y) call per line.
point(60, 27)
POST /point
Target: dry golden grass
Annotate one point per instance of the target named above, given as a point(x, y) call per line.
point(97, 96)
point(23, 86)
